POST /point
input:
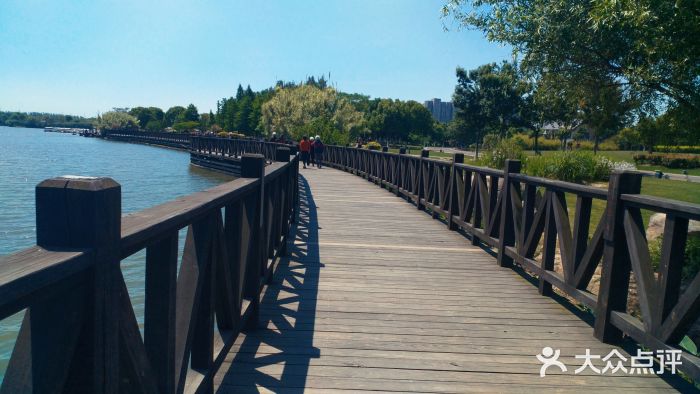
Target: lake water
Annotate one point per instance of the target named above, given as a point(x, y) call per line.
point(148, 176)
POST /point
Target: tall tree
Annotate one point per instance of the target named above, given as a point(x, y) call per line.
point(491, 98)
point(470, 122)
point(556, 104)
point(174, 115)
point(649, 49)
point(191, 114)
point(116, 120)
point(311, 110)
point(604, 111)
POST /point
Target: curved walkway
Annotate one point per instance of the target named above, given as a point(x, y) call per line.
point(378, 296)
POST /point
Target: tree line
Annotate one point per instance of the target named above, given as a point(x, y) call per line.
point(292, 109)
point(40, 119)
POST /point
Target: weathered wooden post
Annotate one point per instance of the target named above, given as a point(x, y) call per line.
point(279, 206)
point(424, 154)
point(75, 213)
point(400, 171)
point(453, 205)
point(253, 166)
point(614, 281)
point(282, 154)
point(506, 233)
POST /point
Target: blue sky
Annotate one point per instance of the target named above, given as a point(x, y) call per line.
point(83, 57)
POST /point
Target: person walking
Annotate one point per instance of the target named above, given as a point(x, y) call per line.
point(312, 155)
point(305, 149)
point(318, 150)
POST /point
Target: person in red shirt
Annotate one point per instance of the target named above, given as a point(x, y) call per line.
point(305, 149)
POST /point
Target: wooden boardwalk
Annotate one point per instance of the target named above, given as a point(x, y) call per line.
point(378, 296)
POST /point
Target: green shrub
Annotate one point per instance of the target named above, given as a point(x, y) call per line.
point(679, 148)
point(490, 141)
point(502, 150)
point(528, 143)
point(373, 145)
point(577, 167)
point(691, 257)
point(668, 160)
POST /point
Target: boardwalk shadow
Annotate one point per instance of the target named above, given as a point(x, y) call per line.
point(277, 356)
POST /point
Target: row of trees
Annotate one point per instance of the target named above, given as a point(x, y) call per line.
point(292, 109)
point(39, 120)
point(596, 65)
point(153, 119)
point(500, 99)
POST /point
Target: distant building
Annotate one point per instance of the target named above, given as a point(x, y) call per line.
point(442, 111)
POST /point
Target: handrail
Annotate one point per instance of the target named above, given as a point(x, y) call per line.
point(519, 215)
point(80, 330)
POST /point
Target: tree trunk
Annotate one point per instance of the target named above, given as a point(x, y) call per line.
point(595, 145)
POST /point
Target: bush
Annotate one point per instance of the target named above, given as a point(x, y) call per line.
point(678, 149)
point(528, 143)
point(668, 160)
point(577, 167)
point(502, 150)
point(691, 257)
point(373, 145)
point(490, 141)
point(227, 134)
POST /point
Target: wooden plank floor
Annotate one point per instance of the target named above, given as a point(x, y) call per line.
point(378, 296)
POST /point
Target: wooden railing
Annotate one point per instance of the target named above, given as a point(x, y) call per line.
point(528, 221)
point(171, 140)
point(80, 332)
point(224, 154)
point(234, 148)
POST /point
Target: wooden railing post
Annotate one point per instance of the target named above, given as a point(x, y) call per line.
point(253, 166)
point(282, 154)
point(614, 281)
point(78, 213)
point(506, 233)
point(424, 154)
point(400, 172)
point(457, 158)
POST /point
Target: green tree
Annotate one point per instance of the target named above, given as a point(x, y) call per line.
point(649, 49)
point(173, 115)
point(150, 118)
point(186, 126)
point(555, 103)
point(490, 98)
point(308, 109)
point(114, 120)
point(604, 111)
point(191, 114)
point(399, 121)
point(469, 124)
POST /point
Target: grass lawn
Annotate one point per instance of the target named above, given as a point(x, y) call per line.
point(674, 190)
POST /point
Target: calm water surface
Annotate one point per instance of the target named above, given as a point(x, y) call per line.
point(148, 175)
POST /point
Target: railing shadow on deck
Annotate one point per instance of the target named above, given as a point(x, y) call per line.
point(278, 354)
